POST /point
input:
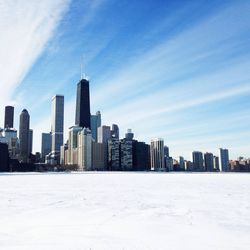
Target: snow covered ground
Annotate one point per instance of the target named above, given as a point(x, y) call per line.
point(125, 211)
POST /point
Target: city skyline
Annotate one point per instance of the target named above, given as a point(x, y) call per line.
point(168, 97)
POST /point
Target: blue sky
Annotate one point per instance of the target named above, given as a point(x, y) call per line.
point(173, 69)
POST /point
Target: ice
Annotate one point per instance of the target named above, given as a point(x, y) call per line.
point(125, 211)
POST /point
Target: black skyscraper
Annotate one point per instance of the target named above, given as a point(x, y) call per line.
point(9, 117)
point(82, 104)
point(24, 128)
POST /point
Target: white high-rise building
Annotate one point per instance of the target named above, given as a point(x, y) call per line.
point(73, 144)
point(85, 150)
point(104, 134)
point(57, 122)
point(157, 154)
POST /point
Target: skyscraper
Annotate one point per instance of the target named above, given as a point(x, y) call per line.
point(73, 144)
point(57, 122)
point(24, 127)
point(104, 134)
point(114, 154)
point(99, 156)
point(182, 163)
point(224, 160)
point(46, 145)
point(157, 154)
point(82, 118)
point(30, 141)
point(115, 131)
point(198, 161)
point(129, 135)
point(126, 155)
point(9, 117)
point(209, 162)
point(95, 124)
point(85, 150)
point(141, 156)
point(216, 163)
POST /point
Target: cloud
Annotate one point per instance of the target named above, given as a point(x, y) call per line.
point(25, 27)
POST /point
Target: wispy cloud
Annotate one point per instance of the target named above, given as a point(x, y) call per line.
point(25, 27)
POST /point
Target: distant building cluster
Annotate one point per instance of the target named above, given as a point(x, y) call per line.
point(92, 146)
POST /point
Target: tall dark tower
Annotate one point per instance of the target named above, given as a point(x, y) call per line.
point(24, 128)
point(9, 117)
point(82, 104)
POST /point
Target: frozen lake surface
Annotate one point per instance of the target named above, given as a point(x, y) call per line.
point(125, 211)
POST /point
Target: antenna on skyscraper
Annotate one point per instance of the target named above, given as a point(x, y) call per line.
point(83, 76)
point(81, 67)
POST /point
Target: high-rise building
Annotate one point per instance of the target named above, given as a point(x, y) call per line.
point(82, 118)
point(73, 144)
point(10, 136)
point(157, 154)
point(182, 163)
point(104, 134)
point(198, 161)
point(169, 164)
point(114, 154)
point(4, 157)
point(216, 163)
point(126, 155)
point(95, 124)
point(129, 135)
point(115, 131)
point(46, 145)
point(209, 162)
point(57, 123)
point(99, 156)
point(30, 141)
point(141, 156)
point(168, 161)
point(9, 117)
point(64, 154)
point(188, 165)
point(166, 151)
point(224, 160)
point(85, 150)
point(24, 127)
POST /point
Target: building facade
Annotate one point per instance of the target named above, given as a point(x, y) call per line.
point(114, 154)
point(126, 155)
point(85, 150)
point(30, 141)
point(157, 154)
point(95, 124)
point(4, 157)
point(73, 144)
point(104, 134)
point(46, 145)
point(198, 161)
point(209, 162)
point(224, 160)
point(115, 131)
point(24, 127)
point(57, 123)
point(9, 117)
point(99, 156)
point(141, 156)
point(216, 163)
point(82, 118)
